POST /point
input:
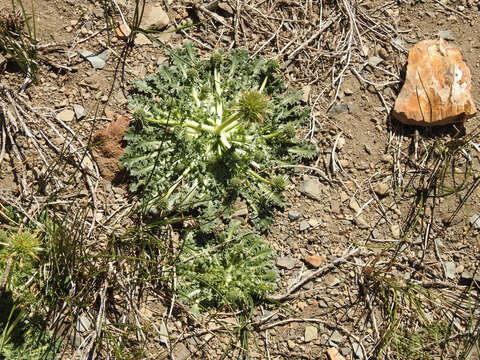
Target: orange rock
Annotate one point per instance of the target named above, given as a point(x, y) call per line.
point(107, 146)
point(315, 260)
point(333, 354)
point(123, 31)
point(437, 86)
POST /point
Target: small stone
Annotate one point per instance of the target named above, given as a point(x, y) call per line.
point(333, 354)
point(79, 111)
point(291, 344)
point(338, 109)
point(387, 158)
point(181, 352)
point(97, 61)
point(437, 86)
point(311, 187)
point(475, 222)
point(315, 260)
point(395, 231)
point(353, 204)
point(98, 12)
point(83, 323)
point(123, 31)
point(361, 223)
point(294, 215)
point(358, 350)
point(304, 225)
point(466, 276)
point(374, 60)
point(286, 263)
point(311, 333)
point(141, 39)
point(88, 26)
point(336, 337)
point(306, 93)
point(154, 18)
point(66, 115)
point(446, 34)
point(450, 270)
point(340, 143)
point(381, 189)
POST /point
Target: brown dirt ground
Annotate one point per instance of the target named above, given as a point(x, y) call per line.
point(376, 150)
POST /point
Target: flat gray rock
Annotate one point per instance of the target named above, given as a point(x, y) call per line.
point(358, 350)
point(98, 61)
point(336, 337)
point(311, 333)
point(311, 187)
point(304, 225)
point(450, 269)
point(475, 222)
point(286, 263)
point(154, 18)
point(79, 111)
point(294, 215)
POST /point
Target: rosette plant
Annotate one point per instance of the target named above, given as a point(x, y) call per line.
point(211, 131)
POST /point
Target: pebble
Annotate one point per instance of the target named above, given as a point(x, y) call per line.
point(446, 34)
point(395, 231)
point(154, 18)
point(336, 337)
point(98, 12)
point(291, 344)
point(475, 221)
point(123, 31)
point(467, 276)
point(311, 333)
point(286, 263)
point(315, 260)
point(374, 60)
point(381, 189)
point(66, 115)
point(311, 187)
point(358, 350)
point(361, 223)
point(450, 269)
point(333, 354)
point(98, 61)
point(304, 225)
point(79, 111)
point(83, 323)
point(340, 143)
point(88, 26)
point(338, 109)
point(353, 204)
point(294, 215)
point(141, 39)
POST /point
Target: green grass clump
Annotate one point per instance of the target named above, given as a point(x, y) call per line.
point(23, 325)
point(18, 38)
